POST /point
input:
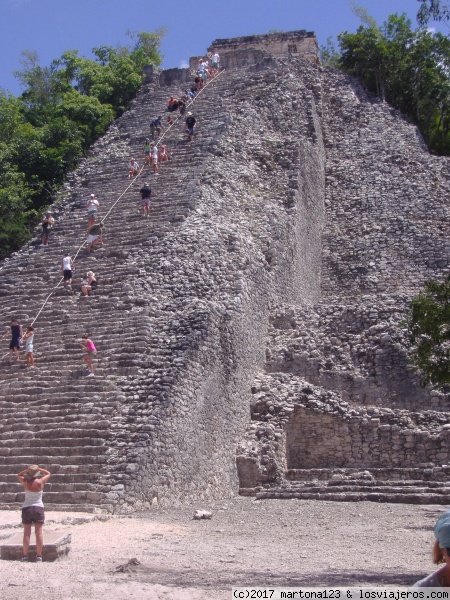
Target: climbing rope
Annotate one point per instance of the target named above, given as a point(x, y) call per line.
point(122, 195)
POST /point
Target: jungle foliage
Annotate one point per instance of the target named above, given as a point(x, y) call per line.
point(429, 326)
point(63, 109)
point(408, 68)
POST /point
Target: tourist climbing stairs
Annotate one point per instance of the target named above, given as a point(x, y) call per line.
point(54, 415)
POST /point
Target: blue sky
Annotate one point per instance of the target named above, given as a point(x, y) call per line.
point(50, 27)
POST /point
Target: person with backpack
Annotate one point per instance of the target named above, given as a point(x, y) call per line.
point(190, 125)
point(155, 127)
point(47, 223)
point(146, 194)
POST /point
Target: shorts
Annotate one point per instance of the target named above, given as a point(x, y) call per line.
point(33, 514)
point(67, 274)
point(147, 153)
point(14, 343)
point(145, 202)
point(91, 238)
point(154, 161)
point(29, 348)
point(215, 65)
point(45, 233)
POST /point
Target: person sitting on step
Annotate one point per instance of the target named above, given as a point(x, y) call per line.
point(133, 168)
point(163, 154)
point(90, 284)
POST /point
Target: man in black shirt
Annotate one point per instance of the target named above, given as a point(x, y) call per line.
point(146, 194)
point(190, 125)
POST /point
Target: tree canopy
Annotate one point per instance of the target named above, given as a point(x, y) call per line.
point(408, 68)
point(63, 109)
point(429, 326)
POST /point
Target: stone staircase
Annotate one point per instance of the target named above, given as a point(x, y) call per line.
point(53, 415)
point(408, 486)
point(351, 485)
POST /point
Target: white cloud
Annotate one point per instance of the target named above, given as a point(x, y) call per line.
point(431, 29)
point(184, 64)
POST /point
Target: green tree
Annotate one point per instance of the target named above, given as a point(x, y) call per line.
point(433, 10)
point(429, 326)
point(407, 68)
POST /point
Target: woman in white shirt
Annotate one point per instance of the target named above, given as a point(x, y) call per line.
point(33, 480)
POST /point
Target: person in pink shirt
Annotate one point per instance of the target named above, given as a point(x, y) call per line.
point(91, 351)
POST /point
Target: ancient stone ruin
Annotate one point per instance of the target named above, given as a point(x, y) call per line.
point(250, 333)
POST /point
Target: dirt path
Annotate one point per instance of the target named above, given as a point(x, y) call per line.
point(246, 543)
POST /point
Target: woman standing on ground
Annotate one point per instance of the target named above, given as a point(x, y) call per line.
point(33, 507)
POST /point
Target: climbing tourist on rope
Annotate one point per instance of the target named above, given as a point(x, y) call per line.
point(90, 284)
point(47, 223)
point(133, 168)
point(440, 554)
point(92, 207)
point(95, 237)
point(190, 125)
point(154, 150)
point(215, 63)
point(67, 270)
point(146, 194)
point(91, 351)
point(147, 151)
point(16, 337)
point(29, 337)
point(33, 507)
point(155, 127)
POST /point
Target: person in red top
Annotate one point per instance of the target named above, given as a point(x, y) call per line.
point(91, 350)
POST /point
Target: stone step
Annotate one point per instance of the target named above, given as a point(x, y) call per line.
point(91, 507)
point(399, 498)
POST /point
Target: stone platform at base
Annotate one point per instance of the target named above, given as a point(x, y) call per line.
point(56, 545)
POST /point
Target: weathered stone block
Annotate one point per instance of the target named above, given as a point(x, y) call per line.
point(56, 545)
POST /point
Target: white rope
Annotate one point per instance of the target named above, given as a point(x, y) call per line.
point(122, 195)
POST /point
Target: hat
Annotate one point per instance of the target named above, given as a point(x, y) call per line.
point(90, 274)
point(92, 195)
point(442, 530)
point(145, 184)
point(49, 212)
point(189, 114)
point(33, 471)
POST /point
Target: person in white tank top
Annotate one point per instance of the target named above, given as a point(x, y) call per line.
point(33, 480)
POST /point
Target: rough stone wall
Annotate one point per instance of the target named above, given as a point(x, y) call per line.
point(300, 426)
point(385, 234)
point(312, 216)
point(243, 51)
point(252, 237)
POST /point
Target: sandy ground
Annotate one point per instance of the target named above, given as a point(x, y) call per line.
point(286, 543)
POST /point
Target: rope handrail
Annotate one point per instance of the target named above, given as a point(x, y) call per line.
point(122, 194)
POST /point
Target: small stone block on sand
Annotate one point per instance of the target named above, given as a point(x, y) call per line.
point(56, 545)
